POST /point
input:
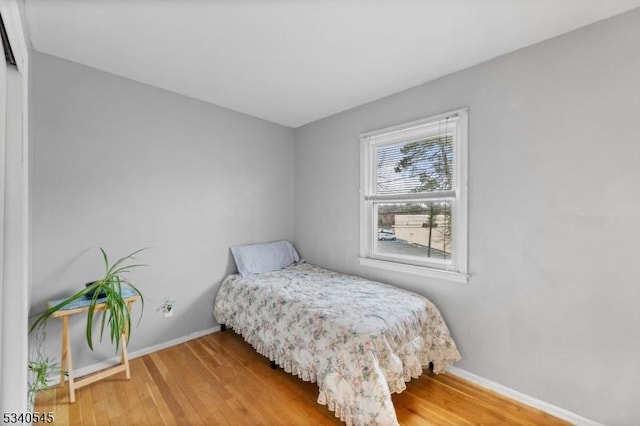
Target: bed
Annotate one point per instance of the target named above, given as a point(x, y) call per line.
point(359, 340)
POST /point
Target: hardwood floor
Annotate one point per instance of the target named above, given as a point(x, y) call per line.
point(219, 379)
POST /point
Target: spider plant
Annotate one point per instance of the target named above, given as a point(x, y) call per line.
point(41, 368)
point(107, 291)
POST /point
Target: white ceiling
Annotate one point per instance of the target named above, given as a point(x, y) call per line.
point(296, 61)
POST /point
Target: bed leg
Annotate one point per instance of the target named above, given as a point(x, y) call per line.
point(273, 365)
point(223, 327)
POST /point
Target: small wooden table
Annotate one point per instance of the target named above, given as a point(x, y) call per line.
point(66, 358)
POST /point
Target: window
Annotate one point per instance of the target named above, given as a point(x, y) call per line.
point(414, 197)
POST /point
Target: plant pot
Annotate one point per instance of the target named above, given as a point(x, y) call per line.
point(89, 294)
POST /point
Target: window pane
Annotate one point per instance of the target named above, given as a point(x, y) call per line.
point(420, 230)
point(425, 165)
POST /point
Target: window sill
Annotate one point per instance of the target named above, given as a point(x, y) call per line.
point(415, 270)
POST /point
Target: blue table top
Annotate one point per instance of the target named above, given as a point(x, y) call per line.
point(84, 301)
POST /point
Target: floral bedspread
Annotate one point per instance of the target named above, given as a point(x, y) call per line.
point(359, 340)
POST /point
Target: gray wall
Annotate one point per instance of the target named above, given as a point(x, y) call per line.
point(121, 165)
point(551, 309)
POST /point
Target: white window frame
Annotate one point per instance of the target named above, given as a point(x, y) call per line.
point(457, 270)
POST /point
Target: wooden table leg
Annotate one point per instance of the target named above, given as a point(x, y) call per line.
point(66, 356)
point(63, 356)
point(125, 337)
point(125, 359)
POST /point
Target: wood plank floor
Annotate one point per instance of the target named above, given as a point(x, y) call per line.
point(219, 379)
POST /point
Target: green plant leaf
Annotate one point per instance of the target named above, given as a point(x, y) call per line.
point(119, 261)
point(44, 316)
point(141, 299)
point(116, 310)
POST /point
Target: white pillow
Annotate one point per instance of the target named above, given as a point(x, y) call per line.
point(264, 257)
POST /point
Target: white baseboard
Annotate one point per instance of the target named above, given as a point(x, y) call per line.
point(135, 354)
point(561, 413)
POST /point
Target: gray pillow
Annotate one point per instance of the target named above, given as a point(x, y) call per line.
point(264, 257)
